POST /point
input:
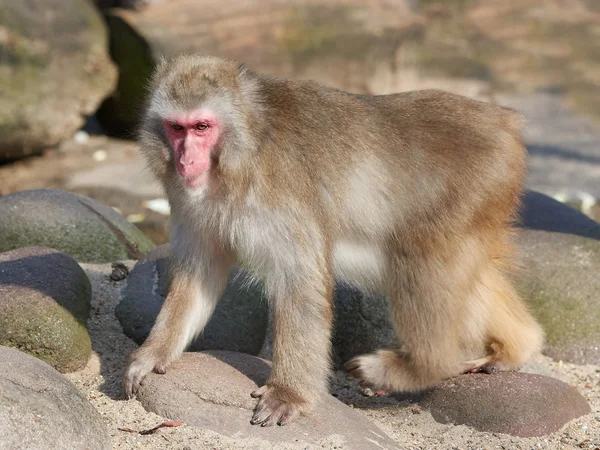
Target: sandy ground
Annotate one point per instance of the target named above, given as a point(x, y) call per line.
point(411, 427)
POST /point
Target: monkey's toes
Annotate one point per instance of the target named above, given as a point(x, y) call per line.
point(276, 406)
point(354, 368)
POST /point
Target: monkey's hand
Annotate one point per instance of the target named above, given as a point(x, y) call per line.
point(140, 364)
point(277, 405)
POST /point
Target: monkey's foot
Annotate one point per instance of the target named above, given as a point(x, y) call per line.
point(277, 405)
point(139, 366)
point(385, 369)
point(486, 365)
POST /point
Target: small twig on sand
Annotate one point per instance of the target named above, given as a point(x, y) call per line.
point(168, 423)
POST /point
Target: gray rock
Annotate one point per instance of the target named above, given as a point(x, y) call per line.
point(40, 409)
point(44, 306)
point(362, 324)
point(560, 256)
point(211, 390)
point(239, 322)
point(521, 404)
point(543, 213)
point(76, 225)
point(50, 81)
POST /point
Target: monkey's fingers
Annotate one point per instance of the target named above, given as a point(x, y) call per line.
point(131, 385)
point(259, 392)
point(138, 368)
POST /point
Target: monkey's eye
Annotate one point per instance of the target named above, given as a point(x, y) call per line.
point(176, 127)
point(201, 126)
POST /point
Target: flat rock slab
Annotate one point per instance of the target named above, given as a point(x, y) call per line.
point(40, 409)
point(516, 403)
point(212, 389)
point(83, 228)
point(44, 306)
point(239, 322)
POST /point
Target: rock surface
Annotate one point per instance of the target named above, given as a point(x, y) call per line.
point(563, 146)
point(348, 44)
point(211, 390)
point(76, 225)
point(41, 409)
point(44, 306)
point(362, 324)
point(239, 322)
point(49, 81)
point(560, 256)
point(521, 404)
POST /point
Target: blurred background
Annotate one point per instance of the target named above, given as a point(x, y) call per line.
point(73, 72)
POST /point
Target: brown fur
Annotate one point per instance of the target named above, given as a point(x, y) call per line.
point(310, 181)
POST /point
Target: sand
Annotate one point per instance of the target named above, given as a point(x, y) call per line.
point(410, 427)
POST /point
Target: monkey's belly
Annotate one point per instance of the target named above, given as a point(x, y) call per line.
point(361, 264)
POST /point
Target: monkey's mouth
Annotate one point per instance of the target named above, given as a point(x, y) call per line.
point(195, 182)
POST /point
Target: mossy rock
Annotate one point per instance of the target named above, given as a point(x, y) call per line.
point(559, 279)
point(44, 306)
point(83, 228)
point(49, 80)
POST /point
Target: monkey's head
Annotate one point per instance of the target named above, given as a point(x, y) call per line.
point(201, 116)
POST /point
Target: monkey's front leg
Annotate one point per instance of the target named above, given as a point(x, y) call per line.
point(189, 305)
point(302, 333)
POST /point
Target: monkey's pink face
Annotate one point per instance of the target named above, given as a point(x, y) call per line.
point(193, 137)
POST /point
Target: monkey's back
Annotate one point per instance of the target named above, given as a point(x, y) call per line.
point(409, 161)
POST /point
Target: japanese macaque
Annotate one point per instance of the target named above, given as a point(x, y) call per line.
point(413, 195)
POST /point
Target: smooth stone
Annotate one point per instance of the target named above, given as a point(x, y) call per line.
point(516, 403)
point(211, 390)
point(560, 263)
point(40, 409)
point(83, 228)
point(239, 322)
point(44, 306)
point(50, 81)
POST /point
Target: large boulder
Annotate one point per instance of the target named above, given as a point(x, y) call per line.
point(211, 390)
point(239, 322)
point(44, 306)
point(76, 225)
point(40, 409)
point(521, 404)
point(49, 80)
point(350, 45)
point(559, 278)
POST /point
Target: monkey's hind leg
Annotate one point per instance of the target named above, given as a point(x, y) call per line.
point(512, 334)
point(426, 302)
